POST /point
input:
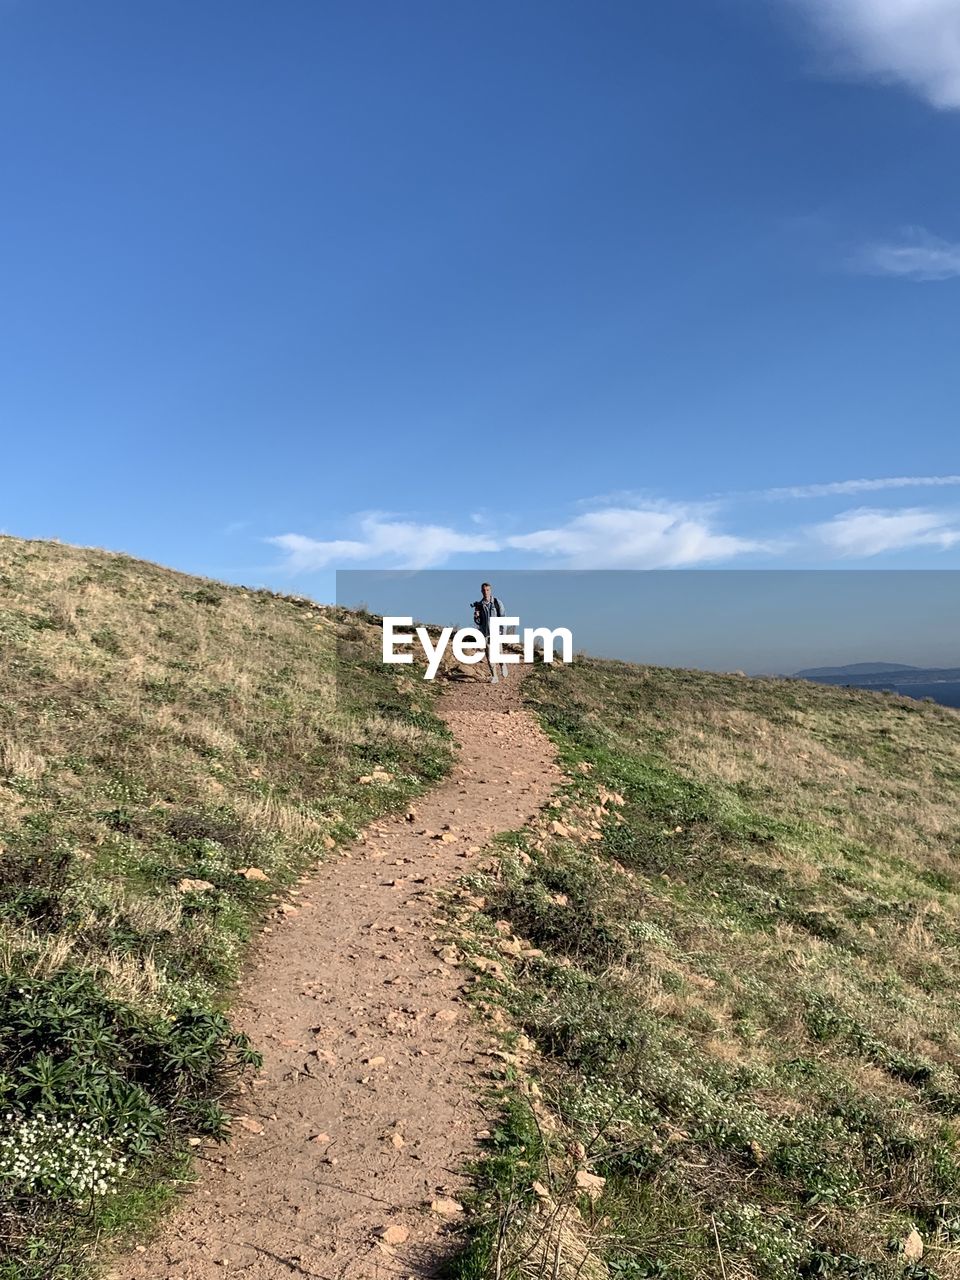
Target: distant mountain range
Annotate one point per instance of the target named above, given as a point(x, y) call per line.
point(854, 669)
point(940, 683)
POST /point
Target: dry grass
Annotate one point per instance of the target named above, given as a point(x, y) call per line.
point(547, 1241)
point(746, 994)
point(158, 731)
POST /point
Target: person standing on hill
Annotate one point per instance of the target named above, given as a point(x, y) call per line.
point(483, 609)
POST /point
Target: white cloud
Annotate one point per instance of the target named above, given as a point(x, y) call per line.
point(841, 487)
point(642, 535)
point(402, 542)
point(635, 538)
point(911, 42)
point(867, 532)
point(918, 255)
point(652, 537)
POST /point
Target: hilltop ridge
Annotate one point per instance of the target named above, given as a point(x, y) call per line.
point(853, 669)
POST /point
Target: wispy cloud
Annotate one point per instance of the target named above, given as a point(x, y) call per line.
point(404, 543)
point(839, 488)
point(644, 534)
point(636, 538)
point(911, 42)
point(867, 532)
point(665, 536)
point(917, 255)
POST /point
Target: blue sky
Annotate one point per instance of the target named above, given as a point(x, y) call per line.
point(301, 286)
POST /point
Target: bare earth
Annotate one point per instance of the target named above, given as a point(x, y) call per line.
point(365, 1109)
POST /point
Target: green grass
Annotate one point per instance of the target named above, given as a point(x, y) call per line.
point(159, 735)
point(741, 979)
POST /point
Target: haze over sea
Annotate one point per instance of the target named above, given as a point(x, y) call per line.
point(757, 621)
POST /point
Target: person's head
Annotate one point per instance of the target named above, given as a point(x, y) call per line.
point(485, 589)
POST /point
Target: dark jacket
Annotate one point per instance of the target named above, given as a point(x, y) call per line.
point(482, 610)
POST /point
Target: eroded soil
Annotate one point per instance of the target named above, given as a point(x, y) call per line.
point(365, 1110)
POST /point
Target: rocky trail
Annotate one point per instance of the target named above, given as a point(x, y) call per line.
point(346, 1159)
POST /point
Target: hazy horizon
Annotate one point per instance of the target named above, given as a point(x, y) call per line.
point(763, 622)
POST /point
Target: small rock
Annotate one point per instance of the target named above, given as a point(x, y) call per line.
point(913, 1246)
point(591, 1183)
point(446, 1206)
point(393, 1233)
point(194, 886)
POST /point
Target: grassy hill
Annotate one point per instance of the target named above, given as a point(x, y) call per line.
point(726, 964)
point(729, 965)
point(173, 754)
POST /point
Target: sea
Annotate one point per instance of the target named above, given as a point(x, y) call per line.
point(946, 692)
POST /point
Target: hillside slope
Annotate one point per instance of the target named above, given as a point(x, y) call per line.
point(730, 959)
point(173, 753)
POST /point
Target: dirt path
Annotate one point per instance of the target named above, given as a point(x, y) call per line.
point(364, 1111)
